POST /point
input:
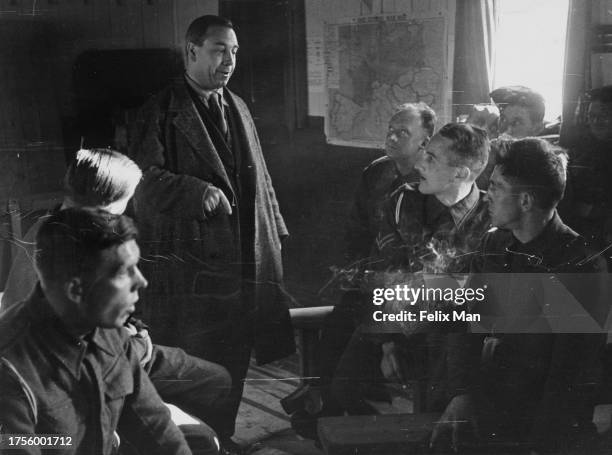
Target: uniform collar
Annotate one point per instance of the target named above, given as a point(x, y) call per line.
point(408, 182)
point(67, 348)
point(458, 211)
point(544, 238)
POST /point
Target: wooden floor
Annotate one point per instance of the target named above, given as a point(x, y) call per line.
point(261, 418)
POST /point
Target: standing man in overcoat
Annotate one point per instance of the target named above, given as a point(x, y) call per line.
point(211, 225)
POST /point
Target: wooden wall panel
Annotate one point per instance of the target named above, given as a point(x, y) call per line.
point(185, 11)
point(149, 11)
point(126, 24)
point(38, 85)
point(99, 23)
point(11, 129)
point(167, 22)
point(31, 110)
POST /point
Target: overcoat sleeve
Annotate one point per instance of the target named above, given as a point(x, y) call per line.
point(173, 194)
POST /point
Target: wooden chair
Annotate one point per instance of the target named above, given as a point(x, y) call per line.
point(308, 323)
point(16, 210)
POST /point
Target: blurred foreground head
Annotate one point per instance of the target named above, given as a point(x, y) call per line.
point(101, 178)
point(87, 262)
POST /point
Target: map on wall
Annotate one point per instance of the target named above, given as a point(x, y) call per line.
point(375, 64)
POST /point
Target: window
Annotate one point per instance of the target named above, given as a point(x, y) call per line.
point(530, 48)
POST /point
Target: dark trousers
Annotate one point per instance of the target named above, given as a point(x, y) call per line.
point(422, 358)
point(357, 374)
point(217, 330)
point(231, 346)
point(198, 387)
point(338, 328)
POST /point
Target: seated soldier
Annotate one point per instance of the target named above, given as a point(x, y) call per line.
point(521, 111)
point(445, 217)
point(67, 366)
point(485, 116)
point(589, 210)
point(410, 129)
point(537, 378)
point(105, 179)
point(521, 114)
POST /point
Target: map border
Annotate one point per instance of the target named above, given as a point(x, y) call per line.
point(331, 76)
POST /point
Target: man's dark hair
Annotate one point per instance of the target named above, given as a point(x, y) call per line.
point(520, 96)
point(601, 94)
point(69, 242)
point(99, 177)
point(196, 33)
point(470, 145)
point(428, 115)
point(536, 166)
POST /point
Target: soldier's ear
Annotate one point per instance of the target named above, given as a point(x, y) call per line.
point(537, 129)
point(74, 291)
point(191, 52)
point(526, 201)
point(426, 139)
point(463, 172)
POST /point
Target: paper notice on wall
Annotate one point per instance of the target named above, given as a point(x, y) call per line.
point(332, 60)
point(601, 70)
point(316, 65)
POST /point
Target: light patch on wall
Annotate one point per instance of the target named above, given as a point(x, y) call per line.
point(530, 48)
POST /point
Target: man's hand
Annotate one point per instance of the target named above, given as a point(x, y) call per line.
point(391, 363)
point(145, 344)
point(215, 202)
point(458, 415)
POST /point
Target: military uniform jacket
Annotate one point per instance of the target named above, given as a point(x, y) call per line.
point(52, 383)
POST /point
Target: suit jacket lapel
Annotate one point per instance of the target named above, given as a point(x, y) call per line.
point(239, 124)
point(188, 122)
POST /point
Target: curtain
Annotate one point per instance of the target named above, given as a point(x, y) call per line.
point(576, 79)
point(475, 24)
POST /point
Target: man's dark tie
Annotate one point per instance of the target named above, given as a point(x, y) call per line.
point(217, 113)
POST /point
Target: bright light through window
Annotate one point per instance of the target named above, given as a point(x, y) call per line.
point(530, 48)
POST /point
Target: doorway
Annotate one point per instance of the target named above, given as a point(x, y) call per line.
point(271, 72)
